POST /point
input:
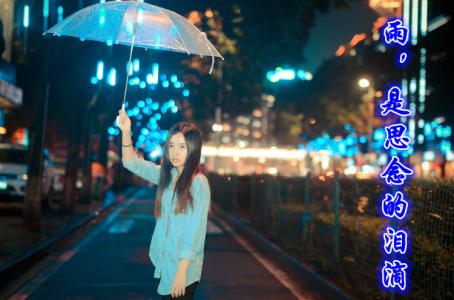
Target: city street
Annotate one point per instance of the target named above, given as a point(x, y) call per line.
point(313, 139)
point(111, 262)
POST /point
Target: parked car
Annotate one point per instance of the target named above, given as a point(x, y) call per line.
point(13, 171)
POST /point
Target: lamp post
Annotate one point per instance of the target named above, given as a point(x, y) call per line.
point(369, 98)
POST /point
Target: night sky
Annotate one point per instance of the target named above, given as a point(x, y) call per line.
point(335, 28)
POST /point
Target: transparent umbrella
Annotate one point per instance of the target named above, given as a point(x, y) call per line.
point(135, 23)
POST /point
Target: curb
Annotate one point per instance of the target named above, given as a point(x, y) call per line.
point(326, 289)
point(13, 269)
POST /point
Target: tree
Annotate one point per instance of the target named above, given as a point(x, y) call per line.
point(336, 100)
point(252, 36)
point(289, 126)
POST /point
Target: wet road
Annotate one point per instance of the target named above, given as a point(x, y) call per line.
point(111, 262)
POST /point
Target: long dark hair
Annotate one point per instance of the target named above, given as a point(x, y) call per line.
point(192, 136)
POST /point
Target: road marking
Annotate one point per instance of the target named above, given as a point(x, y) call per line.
point(149, 216)
point(280, 275)
point(121, 226)
point(213, 228)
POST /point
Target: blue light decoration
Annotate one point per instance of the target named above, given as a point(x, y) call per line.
point(157, 41)
point(287, 74)
point(394, 270)
point(304, 75)
point(26, 21)
point(60, 13)
point(112, 77)
point(129, 28)
point(134, 81)
point(140, 15)
point(347, 146)
point(136, 65)
point(148, 112)
point(100, 70)
point(129, 68)
point(102, 16)
point(45, 14)
point(46, 8)
point(153, 77)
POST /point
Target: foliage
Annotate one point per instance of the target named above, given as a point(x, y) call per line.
point(251, 35)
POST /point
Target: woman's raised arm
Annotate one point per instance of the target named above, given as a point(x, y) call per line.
point(145, 169)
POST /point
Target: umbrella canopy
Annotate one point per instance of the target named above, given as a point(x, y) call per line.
point(138, 23)
point(135, 23)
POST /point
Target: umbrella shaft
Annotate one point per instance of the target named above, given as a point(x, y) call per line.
point(130, 57)
point(127, 72)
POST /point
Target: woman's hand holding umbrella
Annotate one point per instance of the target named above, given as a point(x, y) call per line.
point(123, 121)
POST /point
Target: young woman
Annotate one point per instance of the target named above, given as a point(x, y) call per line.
point(181, 207)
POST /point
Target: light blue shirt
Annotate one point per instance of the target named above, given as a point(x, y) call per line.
point(176, 236)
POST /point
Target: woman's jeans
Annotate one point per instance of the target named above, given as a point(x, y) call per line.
point(188, 293)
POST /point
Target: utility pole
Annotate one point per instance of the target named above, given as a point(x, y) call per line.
point(32, 202)
point(85, 196)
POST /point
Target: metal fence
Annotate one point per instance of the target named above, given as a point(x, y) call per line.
point(332, 225)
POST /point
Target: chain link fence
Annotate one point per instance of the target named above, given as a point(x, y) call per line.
point(332, 225)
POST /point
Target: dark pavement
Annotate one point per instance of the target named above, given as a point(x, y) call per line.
point(111, 262)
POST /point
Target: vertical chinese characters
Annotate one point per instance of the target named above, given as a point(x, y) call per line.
point(395, 240)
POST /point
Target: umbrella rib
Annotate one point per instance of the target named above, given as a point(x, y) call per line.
point(182, 40)
point(204, 35)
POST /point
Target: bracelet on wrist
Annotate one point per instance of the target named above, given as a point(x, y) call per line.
point(126, 145)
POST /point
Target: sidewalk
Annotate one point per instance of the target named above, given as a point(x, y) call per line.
point(111, 262)
point(18, 243)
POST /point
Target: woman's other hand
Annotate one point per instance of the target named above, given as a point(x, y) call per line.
point(179, 284)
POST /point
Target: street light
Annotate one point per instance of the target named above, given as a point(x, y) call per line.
point(364, 83)
point(369, 98)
